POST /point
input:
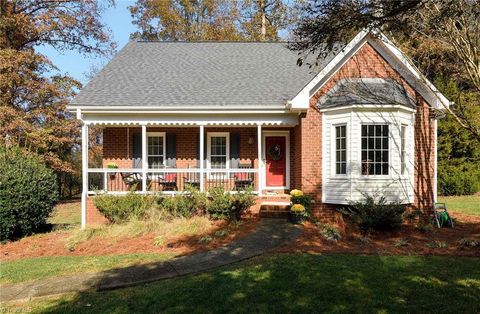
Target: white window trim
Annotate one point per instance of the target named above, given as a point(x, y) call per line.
point(285, 134)
point(157, 134)
point(333, 151)
point(209, 150)
point(390, 144)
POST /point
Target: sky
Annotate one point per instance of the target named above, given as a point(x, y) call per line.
point(119, 21)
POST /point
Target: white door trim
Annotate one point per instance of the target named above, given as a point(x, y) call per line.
point(286, 134)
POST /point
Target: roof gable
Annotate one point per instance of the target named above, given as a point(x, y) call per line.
point(392, 55)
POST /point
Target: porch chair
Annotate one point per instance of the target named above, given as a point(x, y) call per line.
point(441, 216)
point(131, 180)
point(192, 178)
point(243, 179)
point(166, 180)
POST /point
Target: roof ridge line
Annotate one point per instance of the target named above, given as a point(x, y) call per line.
point(210, 41)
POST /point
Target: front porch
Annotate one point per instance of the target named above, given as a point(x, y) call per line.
point(169, 159)
point(168, 154)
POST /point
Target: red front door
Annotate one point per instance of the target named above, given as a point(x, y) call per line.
point(275, 160)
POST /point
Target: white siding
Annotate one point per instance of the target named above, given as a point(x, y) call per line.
point(340, 189)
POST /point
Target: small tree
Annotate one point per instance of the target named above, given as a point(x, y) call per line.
point(28, 191)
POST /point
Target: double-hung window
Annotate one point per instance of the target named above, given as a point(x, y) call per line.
point(218, 150)
point(403, 130)
point(375, 151)
point(341, 149)
point(156, 150)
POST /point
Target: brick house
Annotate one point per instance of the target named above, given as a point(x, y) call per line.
point(237, 114)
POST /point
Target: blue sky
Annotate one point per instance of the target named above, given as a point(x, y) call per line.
point(118, 19)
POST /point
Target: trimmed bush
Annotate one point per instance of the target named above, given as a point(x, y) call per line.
point(370, 214)
point(223, 205)
point(120, 208)
point(28, 192)
point(187, 204)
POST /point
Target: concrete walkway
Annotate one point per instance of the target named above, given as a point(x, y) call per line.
point(269, 234)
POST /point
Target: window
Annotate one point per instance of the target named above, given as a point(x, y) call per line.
point(218, 150)
point(156, 150)
point(341, 149)
point(375, 149)
point(402, 143)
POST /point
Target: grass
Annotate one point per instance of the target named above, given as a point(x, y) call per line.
point(295, 283)
point(467, 204)
point(66, 213)
point(163, 230)
point(43, 267)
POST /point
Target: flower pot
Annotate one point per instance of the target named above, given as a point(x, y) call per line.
point(296, 219)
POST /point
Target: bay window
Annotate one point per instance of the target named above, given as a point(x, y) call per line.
point(341, 149)
point(375, 149)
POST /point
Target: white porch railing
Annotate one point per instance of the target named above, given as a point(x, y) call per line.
point(170, 180)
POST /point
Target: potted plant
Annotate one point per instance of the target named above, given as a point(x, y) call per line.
point(112, 165)
point(302, 211)
point(297, 213)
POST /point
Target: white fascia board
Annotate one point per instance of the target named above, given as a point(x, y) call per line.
point(178, 109)
point(301, 101)
point(371, 108)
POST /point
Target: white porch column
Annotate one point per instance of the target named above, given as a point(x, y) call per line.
point(84, 173)
point(260, 162)
point(202, 141)
point(144, 159)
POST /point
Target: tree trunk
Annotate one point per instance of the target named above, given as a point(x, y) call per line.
point(264, 20)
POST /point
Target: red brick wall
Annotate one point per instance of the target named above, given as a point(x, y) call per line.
point(93, 215)
point(366, 63)
point(117, 146)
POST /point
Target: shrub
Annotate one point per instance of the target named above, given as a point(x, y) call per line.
point(464, 243)
point(463, 179)
point(28, 192)
point(119, 208)
point(223, 205)
point(329, 232)
point(370, 214)
point(437, 244)
point(187, 204)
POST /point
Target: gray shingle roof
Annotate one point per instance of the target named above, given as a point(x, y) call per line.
point(195, 74)
point(365, 91)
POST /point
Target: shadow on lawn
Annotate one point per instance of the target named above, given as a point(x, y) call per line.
point(300, 283)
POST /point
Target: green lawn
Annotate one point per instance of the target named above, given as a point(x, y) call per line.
point(42, 267)
point(67, 213)
point(468, 204)
point(296, 283)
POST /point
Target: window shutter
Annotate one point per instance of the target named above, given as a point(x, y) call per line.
point(171, 160)
point(234, 150)
point(137, 150)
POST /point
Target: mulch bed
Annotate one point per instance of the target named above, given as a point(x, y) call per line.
point(417, 242)
point(352, 242)
point(53, 243)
